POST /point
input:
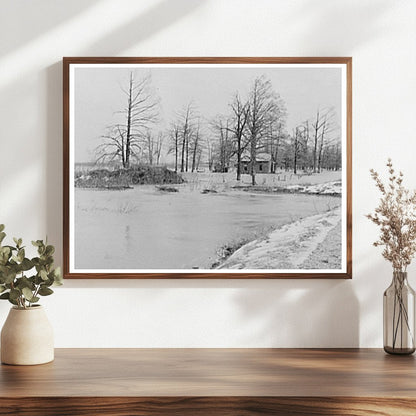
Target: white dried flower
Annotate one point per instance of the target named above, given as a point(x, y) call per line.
point(396, 217)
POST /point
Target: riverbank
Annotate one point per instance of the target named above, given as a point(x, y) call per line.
point(324, 183)
point(329, 188)
point(313, 242)
point(120, 179)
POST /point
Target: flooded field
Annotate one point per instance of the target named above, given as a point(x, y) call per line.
point(144, 228)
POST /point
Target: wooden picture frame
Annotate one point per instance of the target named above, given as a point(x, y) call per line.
point(180, 202)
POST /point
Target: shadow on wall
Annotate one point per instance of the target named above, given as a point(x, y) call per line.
point(347, 25)
point(301, 313)
point(260, 313)
point(162, 15)
point(54, 167)
point(375, 276)
point(39, 97)
point(308, 313)
point(158, 17)
point(280, 313)
point(136, 30)
point(45, 16)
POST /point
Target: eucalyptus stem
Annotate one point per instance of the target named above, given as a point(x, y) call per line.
point(23, 280)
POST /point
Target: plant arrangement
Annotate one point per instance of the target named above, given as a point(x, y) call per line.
point(396, 217)
point(24, 280)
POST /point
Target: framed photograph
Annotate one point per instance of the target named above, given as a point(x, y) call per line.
point(207, 168)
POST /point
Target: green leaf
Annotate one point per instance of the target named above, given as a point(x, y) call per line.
point(4, 258)
point(26, 264)
point(9, 277)
point(13, 302)
point(21, 255)
point(45, 291)
point(15, 294)
point(27, 293)
point(7, 296)
point(5, 250)
point(37, 243)
point(2, 236)
point(18, 242)
point(37, 280)
point(43, 274)
point(58, 281)
point(11, 248)
point(24, 282)
point(56, 272)
point(49, 250)
point(2, 288)
point(2, 227)
point(48, 260)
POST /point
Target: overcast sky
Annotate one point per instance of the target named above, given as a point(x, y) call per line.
point(98, 95)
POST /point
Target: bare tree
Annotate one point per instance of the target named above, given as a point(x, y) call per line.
point(149, 143)
point(196, 146)
point(322, 126)
point(327, 128)
point(264, 106)
point(224, 146)
point(174, 134)
point(275, 137)
point(210, 153)
point(122, 142)
point(315, 142)
point(159, 145)
point(332, 156)
point(297, 145)
point(238, 123)
point(185, 121)
point(114, 146)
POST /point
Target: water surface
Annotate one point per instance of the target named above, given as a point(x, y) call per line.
point(143, 228)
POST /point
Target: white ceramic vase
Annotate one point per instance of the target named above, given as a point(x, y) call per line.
point(27, 337)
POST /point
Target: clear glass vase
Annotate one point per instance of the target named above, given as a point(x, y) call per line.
point(399, 316)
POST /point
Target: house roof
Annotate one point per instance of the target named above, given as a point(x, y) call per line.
point(260, 157)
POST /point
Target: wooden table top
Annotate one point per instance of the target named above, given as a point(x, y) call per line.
point(214, 372)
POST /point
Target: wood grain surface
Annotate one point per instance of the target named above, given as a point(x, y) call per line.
point(212, 381)
point(208, 406)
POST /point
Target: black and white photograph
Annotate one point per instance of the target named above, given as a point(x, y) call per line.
point(210, 168)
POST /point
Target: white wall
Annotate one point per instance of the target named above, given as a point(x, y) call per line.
point(380, 35)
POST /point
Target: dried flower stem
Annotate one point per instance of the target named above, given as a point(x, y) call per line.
point(396, 217)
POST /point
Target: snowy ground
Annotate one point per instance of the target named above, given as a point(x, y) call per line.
point(328, 188)
point(279, 178)
point(324, 183)
point(313, 242)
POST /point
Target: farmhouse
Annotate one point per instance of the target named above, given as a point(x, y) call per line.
point(262, 164)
